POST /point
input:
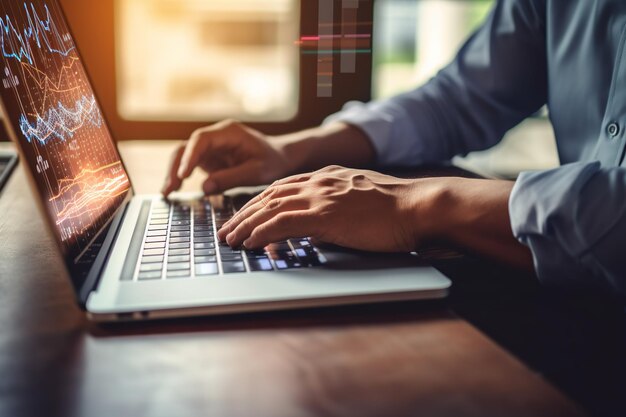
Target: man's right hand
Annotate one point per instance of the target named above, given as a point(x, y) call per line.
point(231, 154)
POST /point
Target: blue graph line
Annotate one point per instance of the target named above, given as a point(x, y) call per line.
point(38, 30)
point(61, 122)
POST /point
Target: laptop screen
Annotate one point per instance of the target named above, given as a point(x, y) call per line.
point(53, 113)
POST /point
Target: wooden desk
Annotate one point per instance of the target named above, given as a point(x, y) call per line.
point(404, 359)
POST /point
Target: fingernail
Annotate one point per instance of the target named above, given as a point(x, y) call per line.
point(210, 187)
point(181, 171)
point(248, 243)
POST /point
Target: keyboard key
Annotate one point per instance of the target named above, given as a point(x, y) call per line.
point(177, 252)
point(231, 256)
point(280, 264)
point(179, 245)
point(178, 266)
point(156, 233)
point(259, 253)
point(204, 259)
point(233, 267)
point(276, 247)
point(156, 239)
point(180, 222)
point(158, 221)
point(179, 258)
point(151, 259)
point(260, 264)
point(181, 239)
point(224, 247)
point(300, 243)
point(203, 239)
point(180, 234)
point(204, 252)
point(159, 216)
point(206, 269)
point(149, 275)
point(283, 264)
point(150, 267)
point(203, 227)
point(204, 234)
point(154, 245)
point(284, 255)
point(157, 227)
point(179, 274)
point(179, 228)
point(153, 252)
point(204, 245)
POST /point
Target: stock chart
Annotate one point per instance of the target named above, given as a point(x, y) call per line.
point(57, 121)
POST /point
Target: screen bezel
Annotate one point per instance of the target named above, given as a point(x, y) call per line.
point(71, 261)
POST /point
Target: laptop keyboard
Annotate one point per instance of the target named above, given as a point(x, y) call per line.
point(181, 242)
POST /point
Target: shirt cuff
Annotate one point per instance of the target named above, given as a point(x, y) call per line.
point(384, 123)
point(545, 216)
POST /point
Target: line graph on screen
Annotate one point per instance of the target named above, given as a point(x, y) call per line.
point(60, 122)
point(55, 113)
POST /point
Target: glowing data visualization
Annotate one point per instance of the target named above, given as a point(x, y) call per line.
point(57, 121)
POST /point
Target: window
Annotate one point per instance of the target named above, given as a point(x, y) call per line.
point(198, 60)
point(414, 39)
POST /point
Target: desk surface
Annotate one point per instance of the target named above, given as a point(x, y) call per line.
point(392, 360)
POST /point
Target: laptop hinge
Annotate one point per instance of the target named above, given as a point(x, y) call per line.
point(103, 252)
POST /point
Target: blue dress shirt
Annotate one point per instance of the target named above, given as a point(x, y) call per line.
point(568, 54)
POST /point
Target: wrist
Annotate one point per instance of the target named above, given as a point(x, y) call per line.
point(294, 147)
point(430, 209)
point(333, 144)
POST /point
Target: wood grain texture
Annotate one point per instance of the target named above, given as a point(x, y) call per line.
point(406, 359)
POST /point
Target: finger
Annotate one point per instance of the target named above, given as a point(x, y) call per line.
point(275, 207)
point(282, 227)
point(266, 197)
point(172, 182)
point(197, 145)
point(237, 176)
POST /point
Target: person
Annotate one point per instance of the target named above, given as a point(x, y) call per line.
point(568, 223)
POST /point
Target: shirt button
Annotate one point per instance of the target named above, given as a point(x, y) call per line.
point(613, 129)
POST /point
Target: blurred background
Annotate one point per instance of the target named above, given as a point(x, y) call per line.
point(162, 68)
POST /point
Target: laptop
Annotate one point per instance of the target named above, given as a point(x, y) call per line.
point(134, 257)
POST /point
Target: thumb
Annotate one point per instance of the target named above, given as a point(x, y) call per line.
point(238, 176)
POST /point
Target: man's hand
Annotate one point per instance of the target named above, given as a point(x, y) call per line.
point(232, 154)
point(352, 208)
point(371, 211)
point(235, 155)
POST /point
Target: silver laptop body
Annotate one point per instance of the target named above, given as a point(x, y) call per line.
point(137, 257)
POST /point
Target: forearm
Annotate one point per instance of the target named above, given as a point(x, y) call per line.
point(335, 144)
point(474, 215)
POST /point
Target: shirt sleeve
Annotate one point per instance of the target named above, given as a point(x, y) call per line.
point(573, 218)
point(497, 79)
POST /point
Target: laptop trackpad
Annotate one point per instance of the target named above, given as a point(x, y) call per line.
point(341, 259)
